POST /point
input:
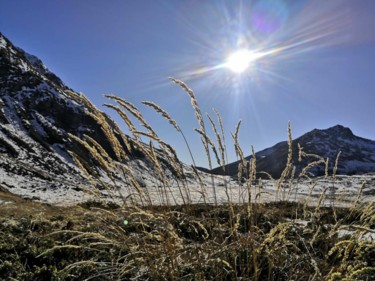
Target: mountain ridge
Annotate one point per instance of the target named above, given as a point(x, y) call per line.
point(357, 154)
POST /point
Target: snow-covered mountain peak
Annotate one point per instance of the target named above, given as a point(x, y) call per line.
point(335, 131)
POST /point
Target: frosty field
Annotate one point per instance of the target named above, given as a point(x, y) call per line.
point(340, 191)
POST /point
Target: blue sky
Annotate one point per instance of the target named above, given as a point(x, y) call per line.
point(318, 72)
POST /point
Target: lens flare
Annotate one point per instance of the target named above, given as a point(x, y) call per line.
point(268, 16)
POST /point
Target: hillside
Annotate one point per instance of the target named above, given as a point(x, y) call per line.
point(50, 135)
point(357, 154)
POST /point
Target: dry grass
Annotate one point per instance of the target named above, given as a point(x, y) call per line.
point(239, 240)
point(99, 242)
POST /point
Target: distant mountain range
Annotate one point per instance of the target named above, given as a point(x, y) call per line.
point(357, 154)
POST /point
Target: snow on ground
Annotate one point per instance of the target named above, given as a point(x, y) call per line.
point(54, 191)
point(68, 190)
point(348, 231)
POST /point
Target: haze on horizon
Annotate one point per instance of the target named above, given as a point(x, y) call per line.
point(314, 64)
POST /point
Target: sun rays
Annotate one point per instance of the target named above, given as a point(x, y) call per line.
point(245, 42)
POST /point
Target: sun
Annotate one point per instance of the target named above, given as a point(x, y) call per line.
point(240, 60)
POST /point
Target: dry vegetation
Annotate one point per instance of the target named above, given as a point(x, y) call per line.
point(137, 240)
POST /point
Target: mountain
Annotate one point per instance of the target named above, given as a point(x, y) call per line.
point(357, 154)
point(42, 123)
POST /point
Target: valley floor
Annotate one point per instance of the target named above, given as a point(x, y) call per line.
point(342, 191)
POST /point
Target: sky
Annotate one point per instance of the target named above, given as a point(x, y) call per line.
point(313, 61)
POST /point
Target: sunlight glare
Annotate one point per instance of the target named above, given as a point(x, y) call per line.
point(240, 60)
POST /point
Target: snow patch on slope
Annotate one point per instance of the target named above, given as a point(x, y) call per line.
point(3, 43)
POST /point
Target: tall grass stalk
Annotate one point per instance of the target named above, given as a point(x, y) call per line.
point(288, 165)
point(202, 128)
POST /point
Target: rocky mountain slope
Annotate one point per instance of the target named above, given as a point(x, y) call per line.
point(41, 124)
point(357, 154)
